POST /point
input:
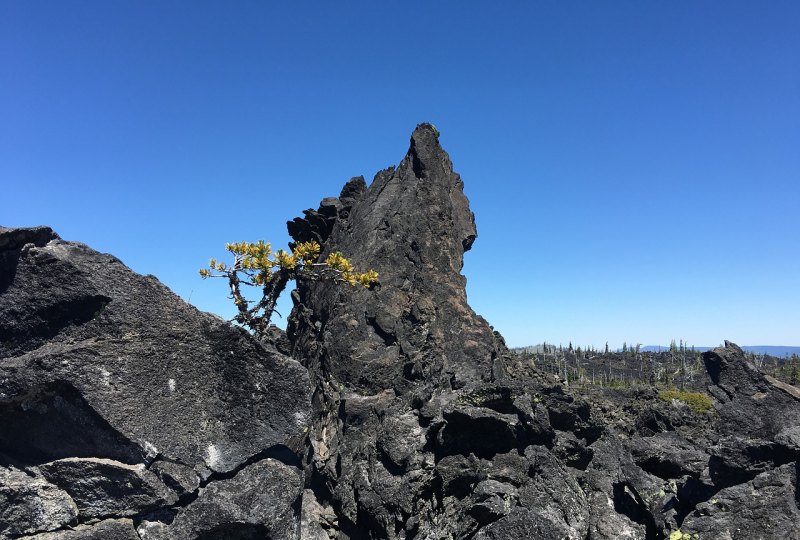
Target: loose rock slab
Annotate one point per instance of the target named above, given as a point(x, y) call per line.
point(110, 529)
point(103, 487)
point(30, 504)
point(262, 500)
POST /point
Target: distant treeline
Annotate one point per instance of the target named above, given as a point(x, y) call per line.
point(677, 367)
point(771, 350)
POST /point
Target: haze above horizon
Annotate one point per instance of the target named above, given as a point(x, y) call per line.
point(633, 167)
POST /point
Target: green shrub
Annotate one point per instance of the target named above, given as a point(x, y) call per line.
point(256, 265)
point(697, 401)
point(678, 535)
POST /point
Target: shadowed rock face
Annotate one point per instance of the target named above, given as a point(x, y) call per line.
point(754, 405)
point(104, 372)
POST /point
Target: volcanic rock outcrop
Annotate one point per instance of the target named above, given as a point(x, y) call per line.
point(426, 427)
point(394, 412)
point(420, 428)
point(389, 364)
point(412, 225)
point(119, 400)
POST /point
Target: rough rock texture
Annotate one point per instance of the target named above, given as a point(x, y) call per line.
point(765, 507)
point(110, 529)
point(180, 478)
point(403, 415)
point(390, 363)
point(104, 372)
point(751, 405)
point(426, 427)
point(260, 501)
point(29, 504)
point(420, 429)
point(412, 225)
point(103, 487)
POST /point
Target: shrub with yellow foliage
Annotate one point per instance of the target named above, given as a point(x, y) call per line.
point(256, 265)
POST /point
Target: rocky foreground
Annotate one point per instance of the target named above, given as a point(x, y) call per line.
point(395, 412)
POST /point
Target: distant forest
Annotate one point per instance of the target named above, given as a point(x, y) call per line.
point(677, 366)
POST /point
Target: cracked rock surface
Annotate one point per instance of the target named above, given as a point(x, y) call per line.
point(260, 501)
point(394, 412)
point(29, 504)
point(109, 529)
point(424, 426)
point(117, 399)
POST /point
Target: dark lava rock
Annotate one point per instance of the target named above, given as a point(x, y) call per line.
point(260, 501)
point(30, 504)
point(97, 361)
point(110, 529)
point(425, 426)
point(102, 487)
point(760, 418)
point(412, 225)
point(765, 507)
point(421, 430)
point(523, 524)
point(412, 342)
point(668, 455)
point(411, 417)
point(103, 371)
point(553, 498)
point(180, 478)
point(750, 404)
point(625, 501)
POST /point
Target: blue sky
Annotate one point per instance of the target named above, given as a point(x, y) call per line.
point(634, 166)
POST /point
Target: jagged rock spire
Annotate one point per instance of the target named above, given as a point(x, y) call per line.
point(412, 225)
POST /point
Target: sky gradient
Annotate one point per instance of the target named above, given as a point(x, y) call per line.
point(634, 167)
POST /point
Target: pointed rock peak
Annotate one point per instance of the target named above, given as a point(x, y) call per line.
point(733, 347)
point(425, 132)
point(725, 352)
point(425, 151)
point(354, 188)
point(412, 225)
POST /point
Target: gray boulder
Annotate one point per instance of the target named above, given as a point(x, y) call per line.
point(765, 507)
point(109, 529)
point(103, 487)
point(128, 400)
point(30, 504)
point(97, 361)
point(260, 501)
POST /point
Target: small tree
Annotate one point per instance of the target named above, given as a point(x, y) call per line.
point(256, 265)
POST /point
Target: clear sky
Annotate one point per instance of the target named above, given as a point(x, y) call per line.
point(634, 166)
